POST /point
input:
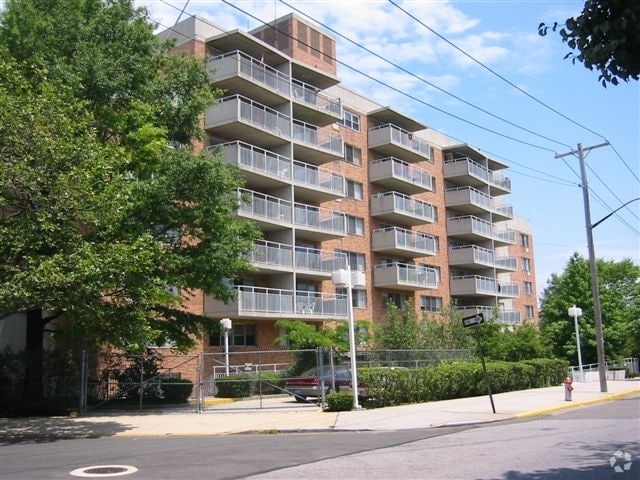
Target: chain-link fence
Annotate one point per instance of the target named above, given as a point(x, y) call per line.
point(64, 382)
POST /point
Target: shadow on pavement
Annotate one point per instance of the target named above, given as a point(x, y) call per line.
point(51, 429)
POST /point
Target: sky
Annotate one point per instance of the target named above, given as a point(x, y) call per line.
point(564, 103)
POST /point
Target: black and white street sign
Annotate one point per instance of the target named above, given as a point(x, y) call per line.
point(473, 320)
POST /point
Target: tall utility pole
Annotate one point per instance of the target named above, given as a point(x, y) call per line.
point(595, 289)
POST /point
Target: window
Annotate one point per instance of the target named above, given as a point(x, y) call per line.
point(359, 297)
point(526, 264)
point(354, 189)
point(352, 154)
point(528, 288)
point(431, 304)
point(241, 335)
point(351, 120)
point(524, 240)
point(356, 260)
point(528, 311)
point(398, 299)
point(355, 225)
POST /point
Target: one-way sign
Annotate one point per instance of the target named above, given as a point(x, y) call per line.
point(473, 320)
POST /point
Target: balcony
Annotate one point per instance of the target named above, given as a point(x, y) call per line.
point(316, 145)
point(511, 317)
point(270, 213)
point(317, 223)
point(465, 171)
point(392, 141)
point(313, 263)
point(240, 117)
point(262, 168)
point(242, 74)
point(470, 201)
point(273, 303)
point(479, 286)
point(317, 184)
point(403, 243)
point(312, 105)
point(272, 257)
point(404, 276)
point(400, 176)
point(471, 257)
point(394, 207)
point(473, 229)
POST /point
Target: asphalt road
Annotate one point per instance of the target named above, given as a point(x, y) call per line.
point(577, 444)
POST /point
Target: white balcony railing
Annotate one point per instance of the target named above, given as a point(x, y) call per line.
point(408, 206)
point(240, 63)
point(319, 178)
point(404, 171)
point(249, 157)
point(313, 97)
point(274, 301)
point(390, 133)
point(405, 239)
point(317, 138)
point(318, 218)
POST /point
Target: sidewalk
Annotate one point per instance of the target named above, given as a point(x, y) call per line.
point(518, 404)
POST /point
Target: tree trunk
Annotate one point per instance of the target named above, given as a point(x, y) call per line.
point(33, 388)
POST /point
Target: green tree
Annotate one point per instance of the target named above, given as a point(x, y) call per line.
point(98, 215)
point(606, 37)
point(401, 331)
point(445, 332)
point(620, 304)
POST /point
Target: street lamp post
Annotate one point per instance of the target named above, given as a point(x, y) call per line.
point(226, 326)
point(576, 312)
point(342, 278)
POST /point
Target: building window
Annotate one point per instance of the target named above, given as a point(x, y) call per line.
point(358, 297)
point(398, 299)
point(241, 335)
point(355, 225)
point(351, 120)
point(431, 304)
point(357, 261)
point(524, 240)
point(526, 264)
point(528, 311)
point(354, 189)
point(352, 154)
point(528, 288)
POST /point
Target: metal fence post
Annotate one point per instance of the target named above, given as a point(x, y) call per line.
point(83, 382)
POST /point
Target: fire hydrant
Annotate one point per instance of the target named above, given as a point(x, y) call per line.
point(568, 388)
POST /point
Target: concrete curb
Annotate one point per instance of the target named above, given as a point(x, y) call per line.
point(582, 403)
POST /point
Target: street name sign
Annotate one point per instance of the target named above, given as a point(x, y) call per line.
point(473, 320)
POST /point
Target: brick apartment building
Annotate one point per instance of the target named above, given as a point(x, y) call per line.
point(333, 177)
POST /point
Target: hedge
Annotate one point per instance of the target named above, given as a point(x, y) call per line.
point(240, 386)
point(389, 386)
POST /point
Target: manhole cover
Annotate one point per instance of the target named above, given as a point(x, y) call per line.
point(104, 471)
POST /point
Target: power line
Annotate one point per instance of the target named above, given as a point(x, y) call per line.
point(401, 68)
point(377, 80)
point(625, 163)
point(468, 55)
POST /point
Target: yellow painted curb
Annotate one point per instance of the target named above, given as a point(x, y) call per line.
point(214, 401)
point(566, 406)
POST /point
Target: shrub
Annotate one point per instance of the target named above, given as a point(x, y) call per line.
point(270, 383)
point(237, 386)
point(176, 390)
point(339, 402)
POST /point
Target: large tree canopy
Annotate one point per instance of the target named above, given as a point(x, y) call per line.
point(620, 304)
point(98, 214)
point(606, 37)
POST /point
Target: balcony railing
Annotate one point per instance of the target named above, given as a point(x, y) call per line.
point(405, 239)
point(458, 195)
point(405, 171)
point(476, 284)
point(259, 205)
point(255, 159)
point(323, 261)
point(316, 177)
point(310, 216)
point(390, 133)
point(272, 254)
point(466, 165)
point(408, 206)
point(251, 68)
point(470, 224)
point(318, 138)
point(404, 274)
point(505, 316)
point(273, 301)
point(311, 96)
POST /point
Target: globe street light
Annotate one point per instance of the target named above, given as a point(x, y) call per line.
point(342, 278)
point(225, 324)
point(576, 312)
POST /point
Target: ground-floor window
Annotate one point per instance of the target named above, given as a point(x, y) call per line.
point(241, 335)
